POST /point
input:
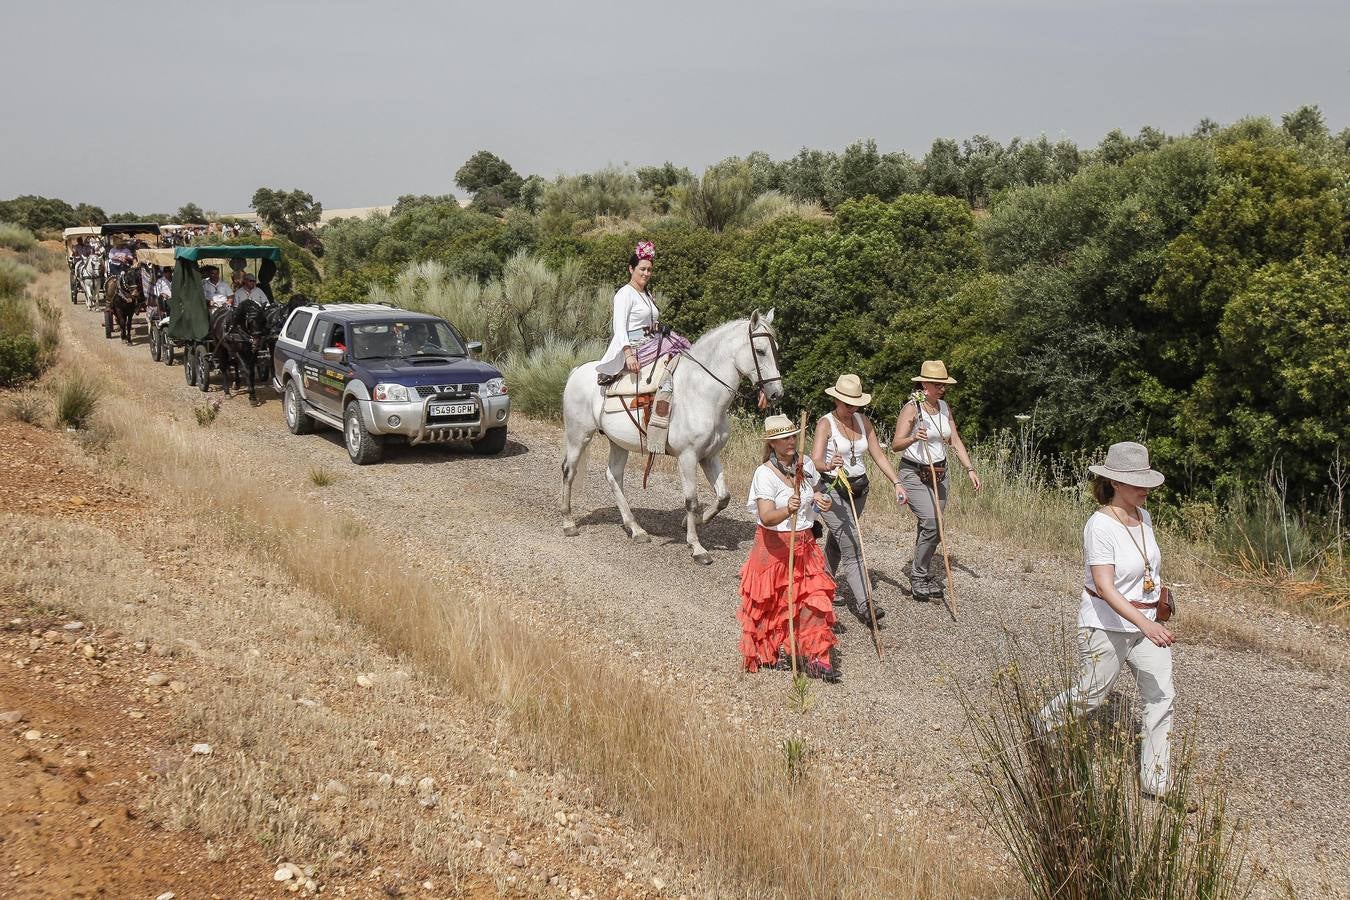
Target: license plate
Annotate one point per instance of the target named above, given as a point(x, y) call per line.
point(452, 409)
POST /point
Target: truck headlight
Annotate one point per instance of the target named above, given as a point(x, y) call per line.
point(396, 393)
point(494, 386)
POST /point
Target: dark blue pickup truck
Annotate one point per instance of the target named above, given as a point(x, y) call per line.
point(376, 371)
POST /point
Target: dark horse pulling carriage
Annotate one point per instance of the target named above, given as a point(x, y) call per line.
point(125, 293)
point(234, 338)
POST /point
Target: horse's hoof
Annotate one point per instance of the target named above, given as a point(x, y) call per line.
point(642, 537)
point(571, 531)
point(703, 559)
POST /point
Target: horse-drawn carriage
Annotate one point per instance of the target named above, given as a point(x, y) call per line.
point(124, 287)
point(150, 262)
point(84, 259)
point(232, 336)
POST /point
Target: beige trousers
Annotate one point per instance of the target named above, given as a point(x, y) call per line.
point(1103, 653)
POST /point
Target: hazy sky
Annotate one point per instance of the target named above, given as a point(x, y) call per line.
point(144, 106)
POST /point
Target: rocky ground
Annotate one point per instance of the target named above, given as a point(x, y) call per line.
point(891, 734)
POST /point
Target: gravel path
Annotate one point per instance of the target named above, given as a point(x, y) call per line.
point(891, 731)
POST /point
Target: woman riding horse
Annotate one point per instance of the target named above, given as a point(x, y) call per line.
point(637, 338)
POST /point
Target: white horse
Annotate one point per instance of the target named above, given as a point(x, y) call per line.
point(704, 386)
point(89, 274)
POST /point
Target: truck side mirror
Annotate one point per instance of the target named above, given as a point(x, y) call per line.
point(333, 354)
point(475, 349)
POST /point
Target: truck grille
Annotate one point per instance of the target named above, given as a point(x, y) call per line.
point(431, 390)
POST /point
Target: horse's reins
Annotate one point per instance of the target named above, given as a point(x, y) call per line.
point(760, 380)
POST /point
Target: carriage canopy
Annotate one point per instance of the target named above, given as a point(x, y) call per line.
point(189, 317)
point(128, 228)
point(80, 231)
point(155, 256)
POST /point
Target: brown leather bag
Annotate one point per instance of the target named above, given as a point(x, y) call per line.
point(1166, 605)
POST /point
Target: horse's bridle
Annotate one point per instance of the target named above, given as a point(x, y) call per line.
point(760, 380)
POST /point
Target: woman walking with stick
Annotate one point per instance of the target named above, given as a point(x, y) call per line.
point(922, 431)
point(786, 563)
point(844, 440)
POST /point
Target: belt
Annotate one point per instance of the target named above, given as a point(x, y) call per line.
point(918, 466)
point(1135, 603)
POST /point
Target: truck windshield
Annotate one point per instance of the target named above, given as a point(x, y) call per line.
point(400, 340)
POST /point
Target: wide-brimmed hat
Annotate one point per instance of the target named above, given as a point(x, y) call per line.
point(848, 388)
point(779, 426)
point(934, 370)
point(1127, 462)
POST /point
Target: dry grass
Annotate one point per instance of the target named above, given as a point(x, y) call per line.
point(27, 406)
point(321, 476)
point(650, 753)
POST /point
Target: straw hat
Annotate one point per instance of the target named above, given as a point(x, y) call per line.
point(779, 426)
point(848, 388)
point(934, 370)
point(1127, 462)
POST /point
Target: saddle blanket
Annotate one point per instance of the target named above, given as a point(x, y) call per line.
point(640, 406)
point(644, 382)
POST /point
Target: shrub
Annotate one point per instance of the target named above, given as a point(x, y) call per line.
point(77, 396)
point(516, 312)
point(536, 378)
point(18, 359)
point(26, 406)
point(719, 199)
point(15, 276)
point(610, 191)
point(1069, 808)
point(16, 237)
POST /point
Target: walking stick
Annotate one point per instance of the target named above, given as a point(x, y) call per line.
point(862, 553)
point(792, 549)
point(937, 507)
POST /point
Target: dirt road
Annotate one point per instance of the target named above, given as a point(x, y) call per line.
point(890, 732)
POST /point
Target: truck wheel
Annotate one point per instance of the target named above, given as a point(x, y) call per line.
point(492, 442)
point(362, 446)
point(296, 420)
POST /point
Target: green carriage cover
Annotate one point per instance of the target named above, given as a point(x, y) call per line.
point(189, 317)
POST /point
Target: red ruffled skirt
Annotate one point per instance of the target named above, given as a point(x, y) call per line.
point(764, 599)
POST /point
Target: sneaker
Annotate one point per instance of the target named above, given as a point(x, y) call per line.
point(837, 627)
point(822, 670)
point(784, 663)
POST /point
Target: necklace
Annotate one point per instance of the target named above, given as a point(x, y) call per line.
point(1141, 545)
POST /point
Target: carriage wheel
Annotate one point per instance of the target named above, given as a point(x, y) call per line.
point(107, 322)
point(189, 366)
point(203, 369)
point(168, 351)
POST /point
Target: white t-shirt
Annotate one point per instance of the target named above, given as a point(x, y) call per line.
point(216, 292)
point(1106, 542)
point(769, 485)
point(939, 432)
point(254, 295)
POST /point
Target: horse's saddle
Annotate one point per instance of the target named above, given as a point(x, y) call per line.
point(645, 382)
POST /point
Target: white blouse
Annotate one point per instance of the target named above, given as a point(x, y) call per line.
point(632, 313)
point(767, 484)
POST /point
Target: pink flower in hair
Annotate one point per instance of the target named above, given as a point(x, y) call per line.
point(645, 250)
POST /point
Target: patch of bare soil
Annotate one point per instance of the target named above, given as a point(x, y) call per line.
point(178, 722)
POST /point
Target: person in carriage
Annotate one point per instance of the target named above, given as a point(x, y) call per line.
point(120, 258)
point(638, 336)
point(249, 292)
point(217, 294)
point(162, 290)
